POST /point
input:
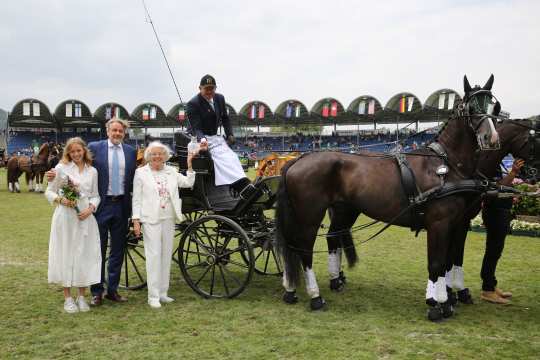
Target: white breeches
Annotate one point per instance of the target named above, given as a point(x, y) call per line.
point(158, 248)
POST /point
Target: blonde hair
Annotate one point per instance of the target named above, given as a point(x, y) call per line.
point(87, 158)
point(122, 122)
point(157, 144)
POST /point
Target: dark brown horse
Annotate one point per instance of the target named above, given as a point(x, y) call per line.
point(516, 139)
point(370, 183)
point(34, 167)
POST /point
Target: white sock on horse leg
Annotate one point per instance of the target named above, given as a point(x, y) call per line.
point(286, 284)
point(311, 283)
point(459, 282)
point(448, 278)
point(440, 290)
point(334, 264)
point(10, 187)
point(17, 186)
point(430, 290)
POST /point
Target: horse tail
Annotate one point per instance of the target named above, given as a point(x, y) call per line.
point(286, 231)
point(349, 249)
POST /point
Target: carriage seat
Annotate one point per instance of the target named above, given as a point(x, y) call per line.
point(216, 198)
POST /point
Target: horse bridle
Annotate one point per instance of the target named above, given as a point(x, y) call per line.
point(464, 110)
point(530, 170)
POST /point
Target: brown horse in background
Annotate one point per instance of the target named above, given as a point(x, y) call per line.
point(34, 167)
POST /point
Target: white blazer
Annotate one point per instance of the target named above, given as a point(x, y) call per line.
point(146, 196)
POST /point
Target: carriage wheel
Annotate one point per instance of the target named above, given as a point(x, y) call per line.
point(210, 256)
point(133, 272)
point(189, 218)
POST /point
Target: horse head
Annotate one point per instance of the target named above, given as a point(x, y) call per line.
point(43, 153)
point(479, 107)
point(523, 138)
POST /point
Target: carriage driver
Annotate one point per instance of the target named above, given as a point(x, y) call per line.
point(206, 112)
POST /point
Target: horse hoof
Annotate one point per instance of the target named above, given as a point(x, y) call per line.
point(464, 297)
point(435, 313)
point(452, 299)
point(290, 297)
point(337, 285)
point(317, 303)
point(447, 309)
point(431, 302)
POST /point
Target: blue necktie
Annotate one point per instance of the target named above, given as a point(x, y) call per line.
point(115, 174)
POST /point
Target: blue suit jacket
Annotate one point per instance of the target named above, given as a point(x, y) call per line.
point(100, 154)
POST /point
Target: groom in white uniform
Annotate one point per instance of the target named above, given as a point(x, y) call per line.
point(206, 113)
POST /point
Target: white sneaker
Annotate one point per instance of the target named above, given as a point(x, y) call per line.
point(165, 299)
point(82, 304)
point(154, 303)
point(69, 306)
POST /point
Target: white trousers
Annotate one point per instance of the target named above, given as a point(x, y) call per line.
point(158, 248)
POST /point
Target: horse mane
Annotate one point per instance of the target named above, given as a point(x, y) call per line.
point(43, 148)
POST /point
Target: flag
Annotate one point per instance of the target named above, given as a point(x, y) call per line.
point(153, 112)
point(26, 109)
point(69, 110)
point(451, 99)
point(108, 113)
point(362, 108)
point(371, 107)
point(261, 111)
point(410, 104)
point(117, 112)
point(298, 109)
point(442, 97)
point(253, 112)
point(402, 105)
point(325, 110)
point(288, 111)
point(333, 109)
point(35, 109)
point(145, 114)
point(181, 114)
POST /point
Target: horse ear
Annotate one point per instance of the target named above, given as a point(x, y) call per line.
point(489, 83)
point(466, 86)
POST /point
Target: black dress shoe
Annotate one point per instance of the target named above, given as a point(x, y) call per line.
point(115, 297)
point(97, 300)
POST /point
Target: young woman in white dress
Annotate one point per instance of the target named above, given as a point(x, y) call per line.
point(157, 206)
point(74, 245)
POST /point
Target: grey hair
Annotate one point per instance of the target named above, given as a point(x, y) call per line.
point(122, 122)
point(158, 144)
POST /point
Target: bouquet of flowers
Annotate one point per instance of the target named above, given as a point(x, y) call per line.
point(70, 191)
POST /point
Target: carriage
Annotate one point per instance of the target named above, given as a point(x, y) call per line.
point(223, 239)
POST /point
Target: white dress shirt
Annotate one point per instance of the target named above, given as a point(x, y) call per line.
point(121, 167)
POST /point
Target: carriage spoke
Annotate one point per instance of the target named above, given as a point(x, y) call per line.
point(231, 275)
point(266, 263)
point(237, 264)
point(224, 281)
point(203, 275)
point(196, 265)
point(213, 278)
point(135, 268)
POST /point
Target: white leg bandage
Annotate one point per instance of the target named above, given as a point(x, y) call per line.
point(458, 282)
point(30, 185)
point(448, 278)
point(311, 283)
point(430, 290)
point(17, 186)
point(334, 264)
point(440, 290)
point(10, 187)
point(286, 284)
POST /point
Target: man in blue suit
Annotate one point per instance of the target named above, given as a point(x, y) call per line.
point(115, 163)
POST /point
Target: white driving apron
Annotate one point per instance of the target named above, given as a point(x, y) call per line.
point(227, 167)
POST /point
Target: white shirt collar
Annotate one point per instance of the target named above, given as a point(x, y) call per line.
point(110, 144)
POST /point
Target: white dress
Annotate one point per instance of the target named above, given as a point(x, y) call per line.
point(74, 245)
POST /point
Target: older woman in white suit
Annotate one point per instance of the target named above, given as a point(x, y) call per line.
point(157, 206)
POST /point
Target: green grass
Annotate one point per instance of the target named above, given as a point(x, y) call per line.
point(381, 314)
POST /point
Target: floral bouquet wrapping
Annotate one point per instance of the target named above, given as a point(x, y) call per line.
point(70, 190)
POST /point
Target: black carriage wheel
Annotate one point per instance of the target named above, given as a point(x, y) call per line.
point(211, 257)
point(266, 260)
point(133, 271)
point(189, 218)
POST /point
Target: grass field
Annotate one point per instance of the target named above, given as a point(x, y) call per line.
point(381, 314)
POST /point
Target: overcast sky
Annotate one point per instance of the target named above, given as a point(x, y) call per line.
point(99, 51)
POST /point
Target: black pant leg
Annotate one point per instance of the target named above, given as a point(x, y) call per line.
point(497, 222)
